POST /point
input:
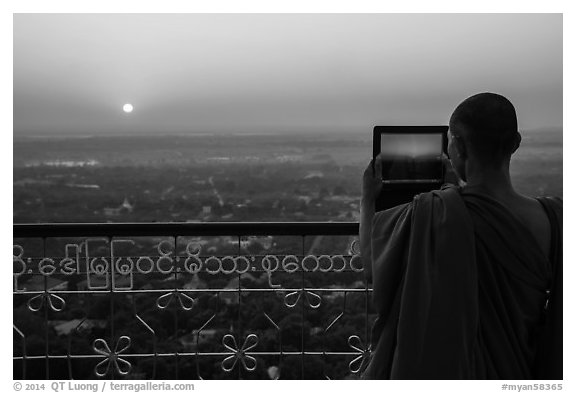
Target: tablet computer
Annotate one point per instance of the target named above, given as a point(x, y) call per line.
point(412, 161)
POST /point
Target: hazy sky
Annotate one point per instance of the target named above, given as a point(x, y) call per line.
point(277, 72)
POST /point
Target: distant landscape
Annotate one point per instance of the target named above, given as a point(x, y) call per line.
point(220, 177)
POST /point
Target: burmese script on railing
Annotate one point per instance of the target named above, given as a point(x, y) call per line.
point(167, 263)
point(117, 272)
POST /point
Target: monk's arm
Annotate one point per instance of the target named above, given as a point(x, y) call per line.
point(371, 188)
point(367, 211)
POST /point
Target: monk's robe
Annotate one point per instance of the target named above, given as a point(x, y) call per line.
point(463, 291)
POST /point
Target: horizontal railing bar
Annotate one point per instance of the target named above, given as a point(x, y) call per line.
point(199, 290)
point(173, 354)
point(189, 273)
point(185, 229)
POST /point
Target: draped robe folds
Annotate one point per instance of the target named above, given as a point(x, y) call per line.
point(463, 291)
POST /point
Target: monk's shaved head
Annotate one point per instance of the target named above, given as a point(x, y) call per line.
point(488, 124)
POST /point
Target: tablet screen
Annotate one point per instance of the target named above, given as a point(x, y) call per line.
point(411, 157)
point(409, 146)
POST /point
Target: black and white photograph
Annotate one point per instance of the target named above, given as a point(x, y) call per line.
point(287, 196)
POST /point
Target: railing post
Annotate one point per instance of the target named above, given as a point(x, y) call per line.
point(112, 295)
point(46, 328)
point(302, 343)
point(175, 312)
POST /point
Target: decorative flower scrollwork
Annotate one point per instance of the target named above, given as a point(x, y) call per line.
point(291, 299)
point(248, 362)
point(121, 366)
point(358, 363)
point(55, 302)
point(186, 302)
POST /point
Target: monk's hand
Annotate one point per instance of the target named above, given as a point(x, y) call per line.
point(450, 175)
point(372, 180)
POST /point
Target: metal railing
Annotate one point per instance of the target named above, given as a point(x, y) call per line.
point(189, 301)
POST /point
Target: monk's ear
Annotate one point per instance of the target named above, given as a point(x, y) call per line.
point(517, 141)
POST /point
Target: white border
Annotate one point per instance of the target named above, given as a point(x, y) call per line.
point(243, 6)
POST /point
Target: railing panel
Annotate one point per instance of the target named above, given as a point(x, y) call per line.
point(142, 301)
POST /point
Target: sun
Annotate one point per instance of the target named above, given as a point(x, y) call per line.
point(127, 108)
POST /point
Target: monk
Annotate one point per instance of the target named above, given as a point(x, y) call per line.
point(467, 280)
